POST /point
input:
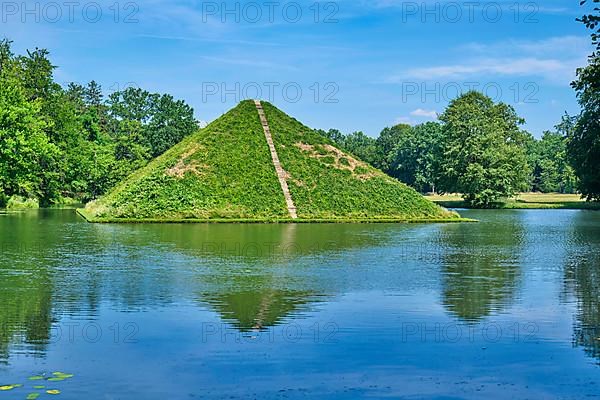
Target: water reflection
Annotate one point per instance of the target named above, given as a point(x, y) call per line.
point(25, 314)
point(55, 266)
point(25, 288)
point(257, 310)
point(582, 280)
point(480, 265)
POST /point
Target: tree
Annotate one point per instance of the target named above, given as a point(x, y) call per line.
point(592, 21)
point(387, 142)
point(415, 156)
point(172, 120)
point(164, 121)
point(37, 74)
point(362, 146)
point(483, 153)
point(6, 54)
point(584, 142)
point(58, 143)
point(552, 171)
point(334, 135)
point(27, 158)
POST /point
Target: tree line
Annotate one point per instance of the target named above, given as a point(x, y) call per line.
point(73, 143)
point(479, 149)
point(59, 144)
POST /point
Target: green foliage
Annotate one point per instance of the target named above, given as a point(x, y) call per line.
point(552, 172)
point(323, 186)
point(225, 172)
point(387, 142)
point(160, 121)
point(357, 143)
point(21, 203)
point(592, 21)
point(27, 157)
point(415, 155)
point(584, 141)
point(483, 153)
point(59, 143)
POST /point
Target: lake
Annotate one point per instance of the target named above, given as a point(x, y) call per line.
point(505, 308)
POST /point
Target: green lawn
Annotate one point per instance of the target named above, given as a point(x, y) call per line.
point(224, 173)
point(526, 201)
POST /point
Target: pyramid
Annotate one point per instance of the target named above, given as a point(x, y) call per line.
point(257, 164)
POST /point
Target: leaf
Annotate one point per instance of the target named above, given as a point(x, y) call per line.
point(62, 375)
point(53, 391)
point(55, 379)
point(7, 387)
point(36, 378)
point(39, 387)
point(33, 396)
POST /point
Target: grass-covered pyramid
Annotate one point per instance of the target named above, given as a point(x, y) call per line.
point(226, 172)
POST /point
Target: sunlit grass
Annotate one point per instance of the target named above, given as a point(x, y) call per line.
point(224, 173)
point(525, 201)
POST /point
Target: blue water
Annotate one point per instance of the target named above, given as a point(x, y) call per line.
point(504, 308)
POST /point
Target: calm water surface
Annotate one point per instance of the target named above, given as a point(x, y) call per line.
point(506, 308)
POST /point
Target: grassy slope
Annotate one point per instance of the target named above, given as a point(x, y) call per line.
point(527, 201)
point(323, 186)
point(235, 178)
point(224, 173)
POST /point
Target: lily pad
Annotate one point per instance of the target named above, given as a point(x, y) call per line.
point(53, 391)
point(33, 396)
point(36, 378)
point(39, 387)
point(62, 375)
point(56, 379)
point(7, 387)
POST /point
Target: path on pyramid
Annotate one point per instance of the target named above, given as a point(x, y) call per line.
point(281, 174)
point(225, 173)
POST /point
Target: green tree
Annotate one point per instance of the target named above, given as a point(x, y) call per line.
point(415, 156)
point(172, 120)
point(6, 55)
point(37, 74)
point(552, 172)
point(386, 143)
point(335, 135)
point(27, 158)
point(362, 146)
point(73, 142)
point(584, 142)
point(483, 153)
point(164, 121)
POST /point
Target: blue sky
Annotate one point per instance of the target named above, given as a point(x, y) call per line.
point(351, 65)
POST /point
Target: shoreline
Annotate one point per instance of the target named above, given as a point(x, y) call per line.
point(524, 201)
point(89, 218)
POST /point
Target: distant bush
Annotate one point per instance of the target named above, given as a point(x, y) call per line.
point(22, 203)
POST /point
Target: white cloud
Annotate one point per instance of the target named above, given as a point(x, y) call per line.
point(520, 67)
point(558, 47)
point(419, 112)
point(554, 59)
